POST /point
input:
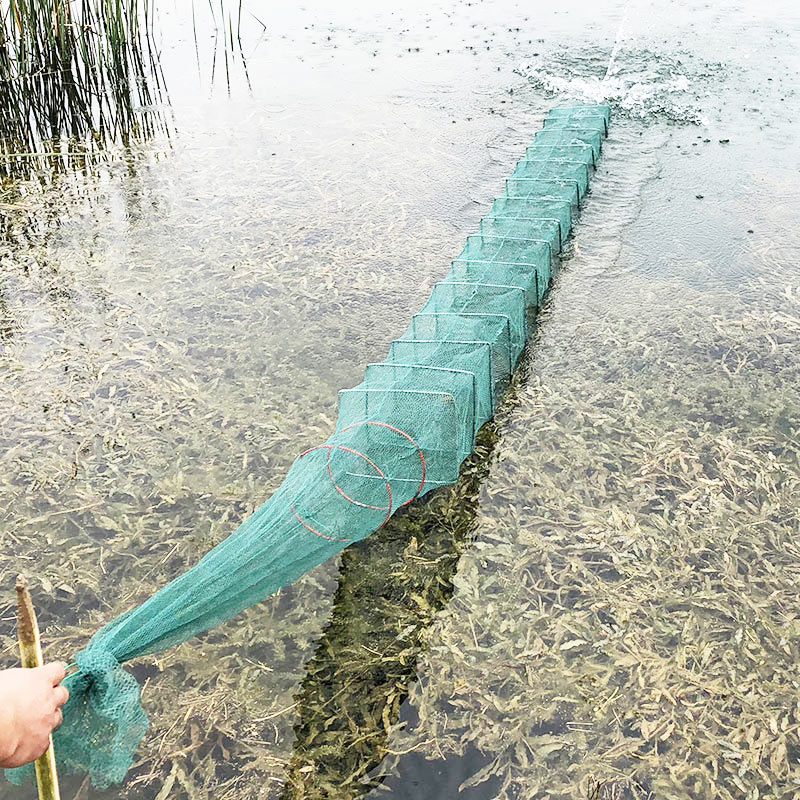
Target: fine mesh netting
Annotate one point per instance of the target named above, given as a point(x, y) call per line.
point(403, 431)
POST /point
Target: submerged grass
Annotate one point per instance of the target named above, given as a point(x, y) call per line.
point(637, 626)
point(593, 637)
point(152, 402)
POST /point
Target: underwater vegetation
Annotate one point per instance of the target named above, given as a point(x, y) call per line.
point(586, 599)
point(624, 631)
point(639, 627)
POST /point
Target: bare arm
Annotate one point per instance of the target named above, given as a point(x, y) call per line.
point(30, 710)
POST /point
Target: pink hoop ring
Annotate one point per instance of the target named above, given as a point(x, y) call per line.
point(347, 496)
point(394, 430)
point(329, 448)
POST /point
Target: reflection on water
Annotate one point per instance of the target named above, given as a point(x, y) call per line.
point(175, 323)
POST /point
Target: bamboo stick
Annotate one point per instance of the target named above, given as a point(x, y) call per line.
point(30, 649)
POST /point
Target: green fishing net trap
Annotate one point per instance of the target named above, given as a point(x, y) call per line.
point(402, 432)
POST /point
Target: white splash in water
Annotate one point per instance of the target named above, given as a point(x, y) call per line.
point(637, 83)
point(617, 43)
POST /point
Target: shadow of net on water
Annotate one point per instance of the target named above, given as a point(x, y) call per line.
point(391, 587)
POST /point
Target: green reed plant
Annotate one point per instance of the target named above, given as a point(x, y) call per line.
point(74, 74)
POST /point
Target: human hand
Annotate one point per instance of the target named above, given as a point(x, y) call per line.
point(30, 710)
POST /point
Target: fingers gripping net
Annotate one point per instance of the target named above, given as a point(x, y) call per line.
point(404, 430)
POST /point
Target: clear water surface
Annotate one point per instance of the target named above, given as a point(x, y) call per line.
point(606, 605)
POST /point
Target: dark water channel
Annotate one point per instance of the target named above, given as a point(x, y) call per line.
point(606, 604)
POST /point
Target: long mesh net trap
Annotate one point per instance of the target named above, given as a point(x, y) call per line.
point(402, 432)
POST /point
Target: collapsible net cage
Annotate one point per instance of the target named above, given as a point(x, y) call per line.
point(403, 431)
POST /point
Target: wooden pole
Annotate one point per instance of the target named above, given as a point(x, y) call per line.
point(30, 649)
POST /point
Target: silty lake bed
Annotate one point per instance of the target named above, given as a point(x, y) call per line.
point(606, 604)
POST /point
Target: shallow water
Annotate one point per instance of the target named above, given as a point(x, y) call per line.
point(610, 593)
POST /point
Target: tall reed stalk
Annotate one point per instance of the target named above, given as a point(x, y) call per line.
point(74, 75)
